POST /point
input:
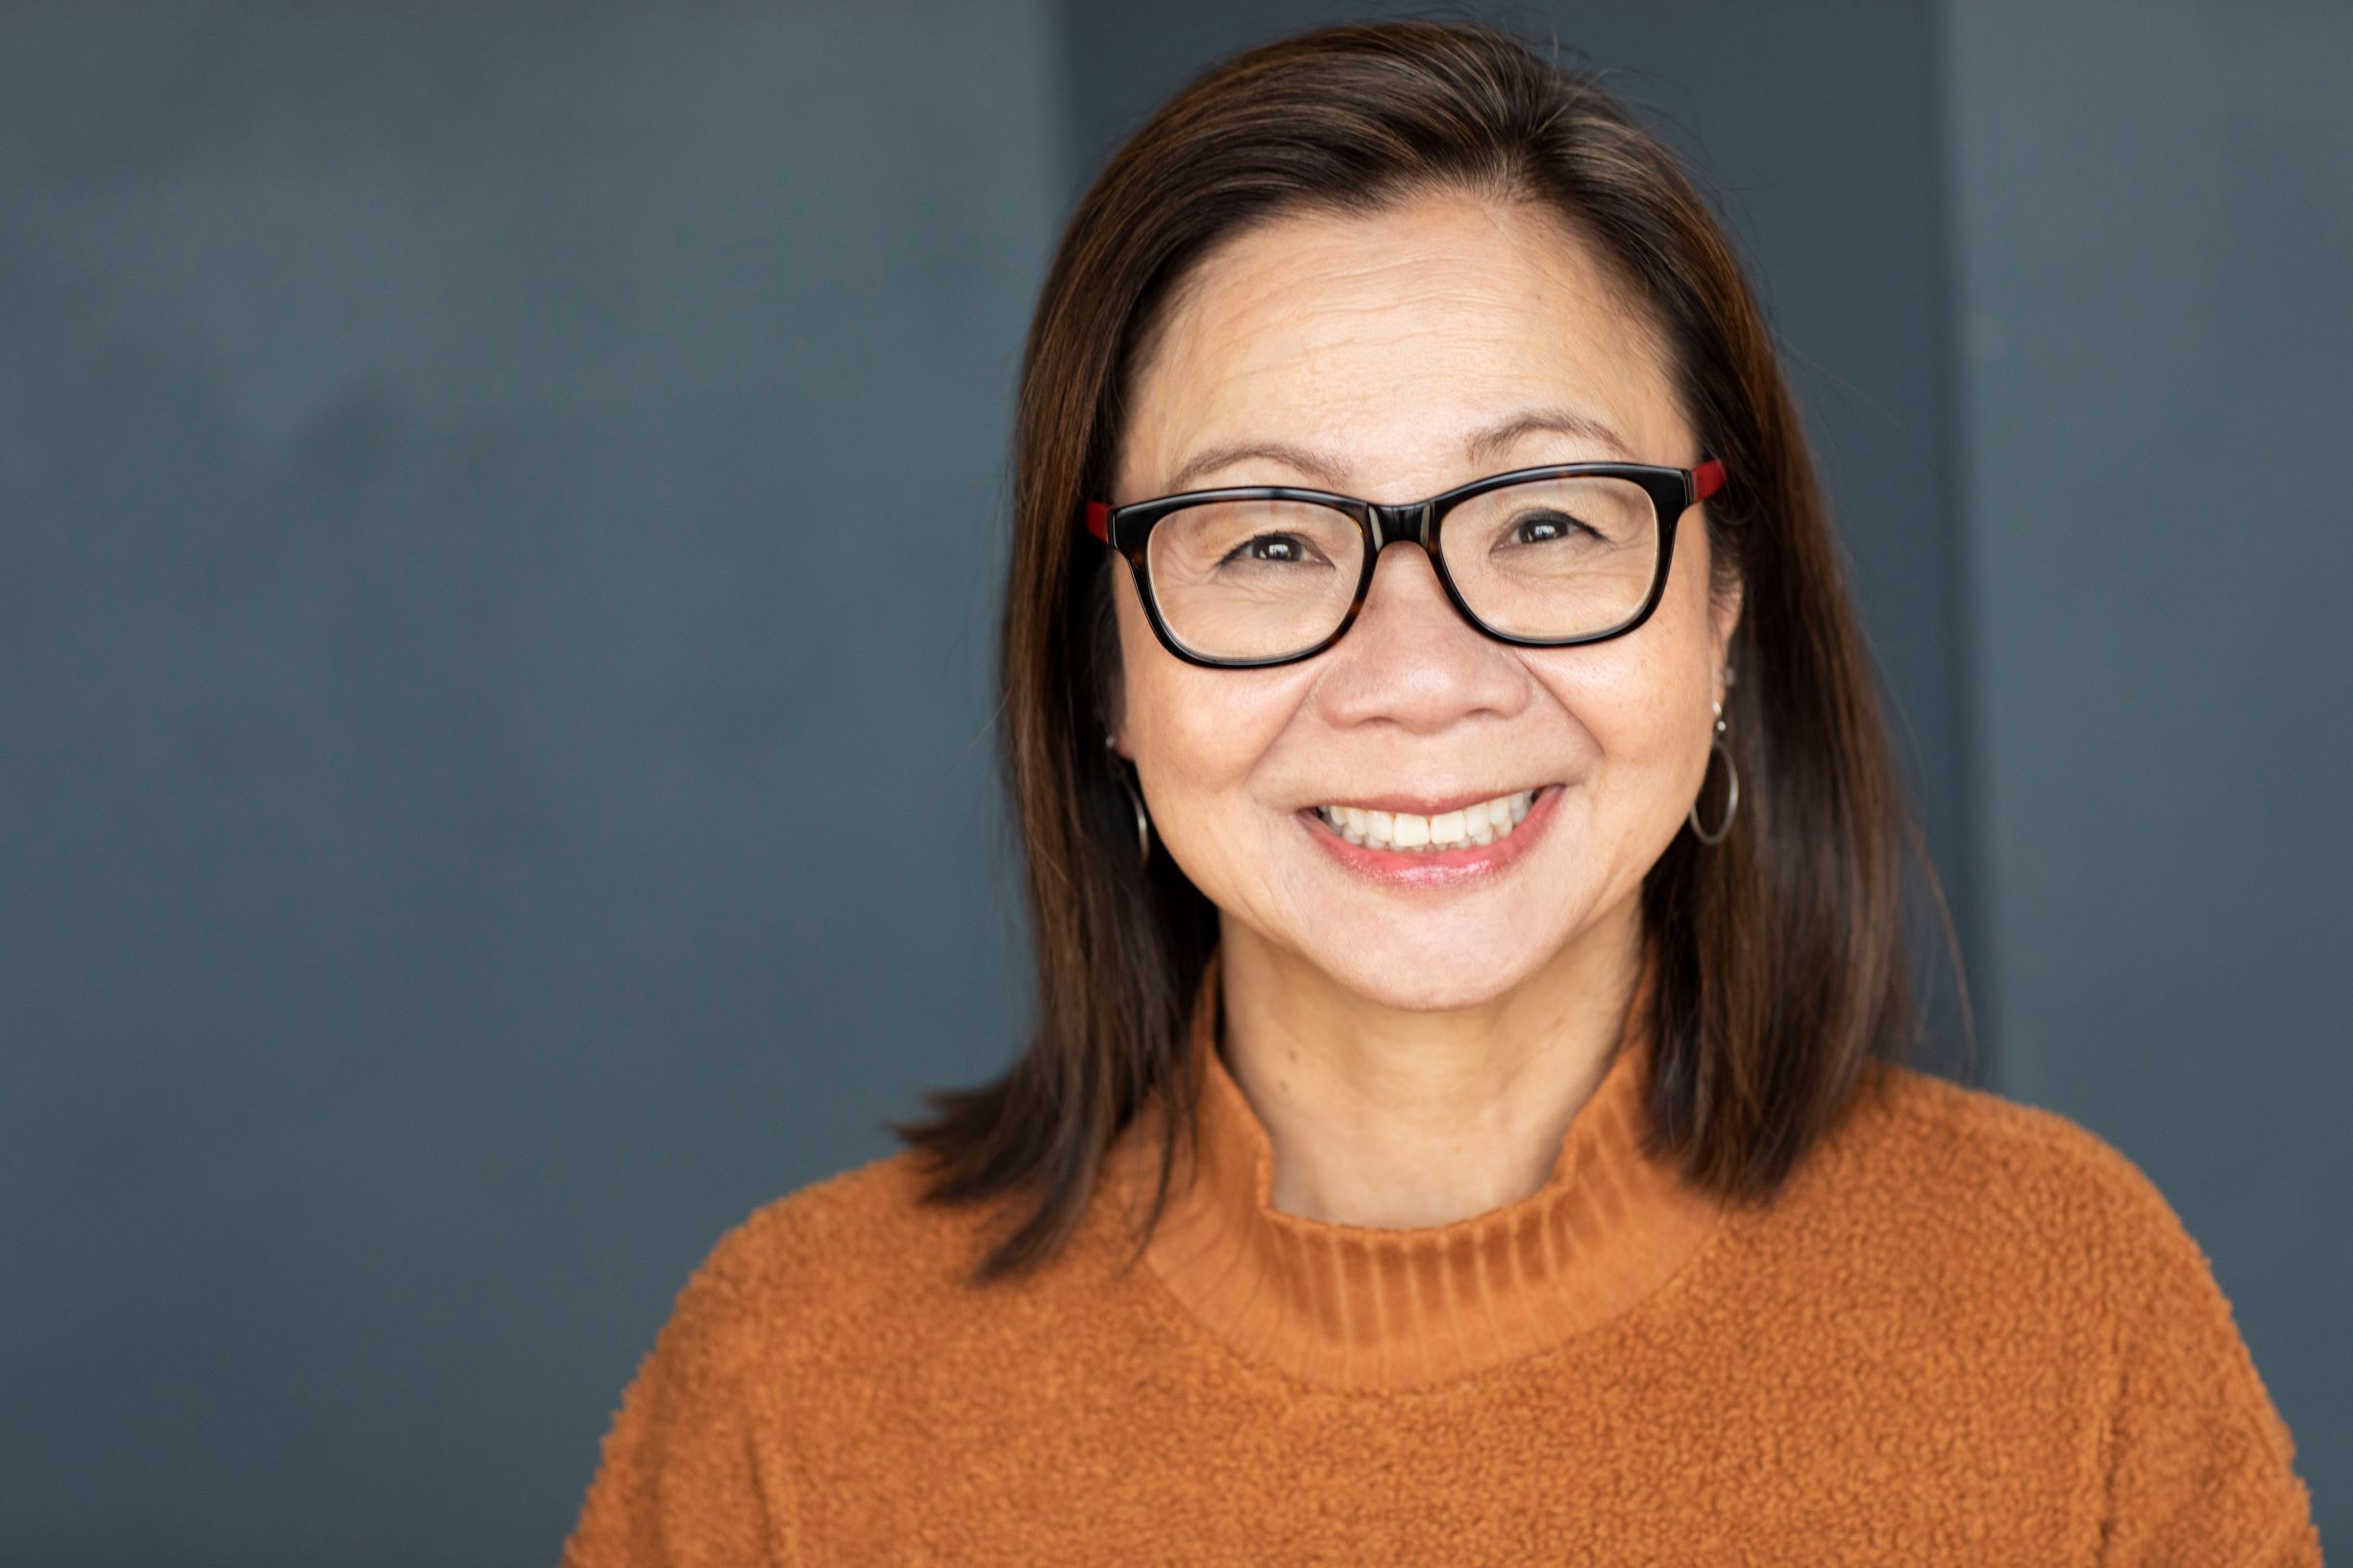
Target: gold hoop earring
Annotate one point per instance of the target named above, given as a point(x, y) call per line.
point(1143, 820)
point(1716, 747)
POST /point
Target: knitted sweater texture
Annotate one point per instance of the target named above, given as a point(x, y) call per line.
point(1967, 1330)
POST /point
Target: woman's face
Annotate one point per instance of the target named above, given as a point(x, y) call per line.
point(1384, 344)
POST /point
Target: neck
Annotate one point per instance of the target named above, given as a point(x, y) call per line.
point(1390, 1117)
point(1356, 1306)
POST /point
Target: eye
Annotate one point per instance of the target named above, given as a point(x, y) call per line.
point(1272, 549)
point(1542, 528)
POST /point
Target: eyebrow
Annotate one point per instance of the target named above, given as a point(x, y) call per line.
point(1483, 447)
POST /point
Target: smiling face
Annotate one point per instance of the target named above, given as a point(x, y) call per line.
point(1381, 347)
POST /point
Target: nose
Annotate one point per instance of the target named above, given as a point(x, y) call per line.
point(1412, 659)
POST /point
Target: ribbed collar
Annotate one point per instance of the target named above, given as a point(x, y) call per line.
point(1368, 1307)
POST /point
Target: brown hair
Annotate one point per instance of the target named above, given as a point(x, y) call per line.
point(1781, 971)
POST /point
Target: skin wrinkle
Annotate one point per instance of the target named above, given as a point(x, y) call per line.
point(1330, 472)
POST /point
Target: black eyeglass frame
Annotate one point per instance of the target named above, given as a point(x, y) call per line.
point(1672, 491)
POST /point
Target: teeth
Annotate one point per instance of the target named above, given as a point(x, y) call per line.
point(1482, 824)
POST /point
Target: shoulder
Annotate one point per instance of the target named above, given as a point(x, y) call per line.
point(2008, 1228)
point(2053, 1224)
point(860, 1228)
point(2009, 1248)
point(1960, 1201)
point(833, 1267)
point(1914, 1142)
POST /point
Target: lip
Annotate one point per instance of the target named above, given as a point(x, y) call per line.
point(1427, 805)
point(1468, 864)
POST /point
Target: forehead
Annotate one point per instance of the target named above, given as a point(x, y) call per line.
point(1386, 339)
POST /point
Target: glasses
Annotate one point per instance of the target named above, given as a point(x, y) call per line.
point(1542, 558)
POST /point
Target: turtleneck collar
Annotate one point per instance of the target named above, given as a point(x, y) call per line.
point(1371, 1307)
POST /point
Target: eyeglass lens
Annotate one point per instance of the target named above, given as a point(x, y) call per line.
point(1544, 558)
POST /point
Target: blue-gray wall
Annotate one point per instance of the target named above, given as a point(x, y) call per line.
point(481, 807)
point(468, 834)
point(2154, 242)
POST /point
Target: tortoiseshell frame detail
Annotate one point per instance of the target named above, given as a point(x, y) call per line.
point(1672, 491)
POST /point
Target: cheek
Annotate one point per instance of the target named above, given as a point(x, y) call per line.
point(1195, 733)
point(1638, 704)
point(1624, 708)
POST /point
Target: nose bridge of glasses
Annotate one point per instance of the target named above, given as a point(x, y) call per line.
point(1391, 524)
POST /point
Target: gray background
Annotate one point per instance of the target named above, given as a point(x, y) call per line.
point(469, 835)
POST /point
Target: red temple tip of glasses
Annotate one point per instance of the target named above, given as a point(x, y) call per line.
point(1707, 479)
point(1098, 519)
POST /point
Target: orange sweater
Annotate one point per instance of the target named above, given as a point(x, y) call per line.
point(1969, 1332)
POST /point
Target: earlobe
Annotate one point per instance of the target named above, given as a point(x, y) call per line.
point(1112, 711)
point(1727, 621)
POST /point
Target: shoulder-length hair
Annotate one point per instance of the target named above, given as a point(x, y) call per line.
point(1780, 962)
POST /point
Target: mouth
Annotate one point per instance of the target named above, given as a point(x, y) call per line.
point(1466, 843)
point(1481, 821)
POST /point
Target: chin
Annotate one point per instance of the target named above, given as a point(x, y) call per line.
point(1433, 971)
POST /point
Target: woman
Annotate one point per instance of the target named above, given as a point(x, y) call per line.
point(1465, 1121)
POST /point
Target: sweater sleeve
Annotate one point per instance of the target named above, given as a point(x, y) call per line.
point(2200, 1465)
point(680, 1482)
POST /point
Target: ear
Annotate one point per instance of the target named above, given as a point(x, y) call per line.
point(1723, 615)
point(1110, 663)
point(1111, 707)
point(1110, 718)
